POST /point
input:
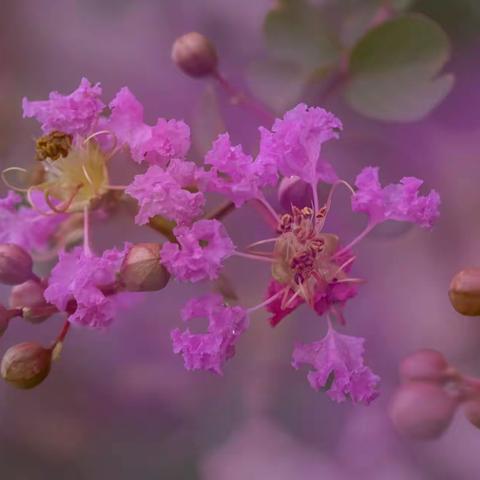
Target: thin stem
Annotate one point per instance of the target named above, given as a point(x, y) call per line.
point(267, 301)
point(63, 332)
point(242, 99)
point(253, 257)
point(315, 196)
point(221, 211)
point(268, 211)
point(370, 226)
point(86, 232)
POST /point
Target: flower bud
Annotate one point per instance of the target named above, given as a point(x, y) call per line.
point(427, 365)
point(142, 271)
point(422, 410)
point(15, 264)
point(4, 320)
point(464, 292)
point(26, 365)
point(29, 297)
point(294, 191)
point(195, 55)
point(472, 412)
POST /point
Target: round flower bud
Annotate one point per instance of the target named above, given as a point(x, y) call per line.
point(294, 191)
point(29, 297)
point(4, 320)
point(195, 55)
point(427, 365)
point(142, 271)
point(26, 365)
point(422, 410)
point(472, 412)
point(464, 292)
point(15, 264)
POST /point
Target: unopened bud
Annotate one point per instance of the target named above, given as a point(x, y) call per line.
point(142, 271)
point(294, 191)
point(464, 292)
point(426, 365)
point(422, 410)
point(26, 365)
point(29, 297)
point(15, 264)
point(195, 55)
point(472, 412)
point(4, 319)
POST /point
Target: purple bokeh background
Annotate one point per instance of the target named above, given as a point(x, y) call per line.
point(119, 404)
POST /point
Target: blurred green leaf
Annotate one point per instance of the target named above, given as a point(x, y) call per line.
point(277, 83)
point(296, 31)
point(207, 121)
point(393, 70)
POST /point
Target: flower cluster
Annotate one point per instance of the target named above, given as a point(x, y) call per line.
point(308, 264)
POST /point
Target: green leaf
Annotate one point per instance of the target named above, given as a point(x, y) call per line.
point(296, 31)
point(207, 121)
point(394, 70)
point(277, 83)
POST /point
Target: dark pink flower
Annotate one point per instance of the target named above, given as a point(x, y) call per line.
point(337, 362)
point(200, 251)
point(399, 201)
point(156, 144)
point(233, 173)
point(76, 113)
point(83, 281)
point(210, 350)
point(295, 143)
point(163, 192)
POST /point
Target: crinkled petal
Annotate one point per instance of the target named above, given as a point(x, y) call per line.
point(199, 253)
point(295, 142)
point(79, 278)
point(337, 364)
point(210, 350)
point(75, 113)
point(155, 144)
point(400, 201)
point(163, 192)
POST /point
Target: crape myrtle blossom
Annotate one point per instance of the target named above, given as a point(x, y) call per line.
point(308, 264)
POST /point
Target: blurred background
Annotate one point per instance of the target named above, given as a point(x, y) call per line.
point(119, 404)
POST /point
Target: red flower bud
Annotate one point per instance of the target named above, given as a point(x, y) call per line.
point(422, 410)
point(26, 365)
point(464, 292)
point(15, 264)
point(427, 365)
point(195, 55)
point(142, 271)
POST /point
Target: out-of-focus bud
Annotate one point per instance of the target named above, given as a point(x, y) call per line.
point(464, 292)
point(195, 55)
point(472, 412)
point(4, 319)
point(422, 410)
point(15, 264)
point(26, 365)
point(294, 191)
point(426, 365)
point(142, 271)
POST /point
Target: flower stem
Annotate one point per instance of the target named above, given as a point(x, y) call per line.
point(266, 302)
point(370, 226)
point(86, 232)
point(252, 256)
point(221, 211)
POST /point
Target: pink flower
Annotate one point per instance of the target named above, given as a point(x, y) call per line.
point(167, 139)
point(200, 251)
point(235, 174)
point(76, 113)
point(163, 192)
point(210, 350)
point(295, 142)
point(399, 201)
point(25, 226)
point(80, 283)
point(275, 307)
point(337, 362)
